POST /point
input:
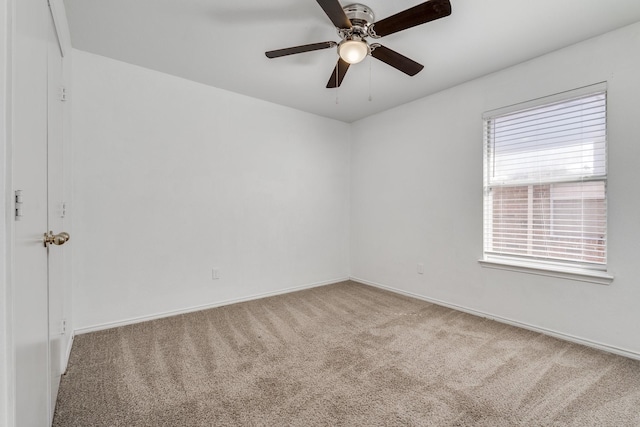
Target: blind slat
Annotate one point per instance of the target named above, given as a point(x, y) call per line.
point(589, 107)
point(578, 122)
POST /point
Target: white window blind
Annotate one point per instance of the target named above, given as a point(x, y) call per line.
point(545, 181)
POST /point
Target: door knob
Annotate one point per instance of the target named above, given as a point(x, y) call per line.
point(56, 239)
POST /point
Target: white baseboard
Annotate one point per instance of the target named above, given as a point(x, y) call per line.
point(560, 335)
point(65, 362)
point(133, 320)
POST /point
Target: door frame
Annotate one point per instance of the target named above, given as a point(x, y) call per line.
point(7, 382)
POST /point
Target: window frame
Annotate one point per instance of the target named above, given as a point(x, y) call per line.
point(586, 272)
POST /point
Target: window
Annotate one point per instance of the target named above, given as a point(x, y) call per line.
point(545, 181)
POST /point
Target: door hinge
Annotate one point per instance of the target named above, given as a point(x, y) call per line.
point(63, 327)
point(18, 205)
point(64, 95)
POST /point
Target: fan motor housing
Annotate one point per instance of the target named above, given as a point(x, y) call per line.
point(359, 14)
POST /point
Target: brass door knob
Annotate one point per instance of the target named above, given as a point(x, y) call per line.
point(56, 239)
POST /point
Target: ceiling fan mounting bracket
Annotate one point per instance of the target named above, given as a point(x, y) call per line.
point(360, 15)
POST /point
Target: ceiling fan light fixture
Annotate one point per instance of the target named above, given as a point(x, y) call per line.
point(353, 51)
point(356, 22)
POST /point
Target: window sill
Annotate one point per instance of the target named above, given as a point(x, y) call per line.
point(563, 272)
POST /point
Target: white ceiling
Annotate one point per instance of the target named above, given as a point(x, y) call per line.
point(222, 44)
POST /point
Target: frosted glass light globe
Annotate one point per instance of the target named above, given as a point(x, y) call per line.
point(353, 51)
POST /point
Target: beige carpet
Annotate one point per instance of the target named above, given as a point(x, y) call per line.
point(341, 355)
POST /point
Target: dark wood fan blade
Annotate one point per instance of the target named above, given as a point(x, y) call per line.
point(400, 62)
point(420, 14)
point(338, 74)
point(334, 11)
point(299, 49)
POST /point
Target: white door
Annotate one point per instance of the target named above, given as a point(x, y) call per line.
point(56, 211)
point(29, 274)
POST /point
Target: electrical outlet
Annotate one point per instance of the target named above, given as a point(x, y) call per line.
point(420, 268)
point(215, 274)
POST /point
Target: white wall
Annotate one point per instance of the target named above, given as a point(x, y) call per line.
point(417, 196)
point(173, 178)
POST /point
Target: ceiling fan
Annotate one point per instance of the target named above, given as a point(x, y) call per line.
point(355, 23)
